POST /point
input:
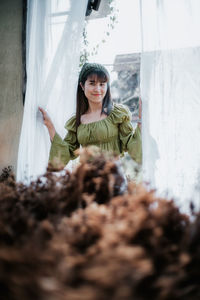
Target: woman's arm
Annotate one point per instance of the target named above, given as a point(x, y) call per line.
point(48, 123)
point(130, 138)
point(61, 151)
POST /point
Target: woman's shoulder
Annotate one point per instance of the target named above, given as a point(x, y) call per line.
point(120, 113)
point(70, 125)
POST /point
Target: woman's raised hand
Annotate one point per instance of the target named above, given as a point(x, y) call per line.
point(48, 123)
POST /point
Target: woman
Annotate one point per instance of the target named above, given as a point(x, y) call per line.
point(97, 121)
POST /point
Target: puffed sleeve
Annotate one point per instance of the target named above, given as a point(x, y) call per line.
point(63, 150)
point(130, 139)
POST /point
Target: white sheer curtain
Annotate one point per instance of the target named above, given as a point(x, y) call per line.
point(54, 30)
point(170, 90)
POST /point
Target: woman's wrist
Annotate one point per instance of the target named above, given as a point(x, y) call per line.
point(52, 132)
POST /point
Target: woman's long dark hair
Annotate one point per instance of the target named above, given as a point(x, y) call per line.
point(82, 102)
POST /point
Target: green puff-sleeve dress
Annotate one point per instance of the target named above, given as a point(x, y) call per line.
point(114, 133)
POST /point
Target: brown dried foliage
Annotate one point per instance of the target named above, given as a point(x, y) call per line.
point(72, 237)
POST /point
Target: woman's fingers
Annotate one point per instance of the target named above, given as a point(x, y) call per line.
point(42, 110)
point(44, 114)
point(46, 118)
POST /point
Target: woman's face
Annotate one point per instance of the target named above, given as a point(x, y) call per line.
point(95, 89)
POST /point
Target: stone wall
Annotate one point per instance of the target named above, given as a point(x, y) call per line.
point(11, 104)
point(126, 88)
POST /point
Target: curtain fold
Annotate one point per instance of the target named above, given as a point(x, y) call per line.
point(54, 32)
point(170, 91)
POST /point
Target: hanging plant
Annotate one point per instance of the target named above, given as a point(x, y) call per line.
point(111, 21)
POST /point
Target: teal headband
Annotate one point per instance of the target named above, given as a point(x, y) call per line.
point(91, 67)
